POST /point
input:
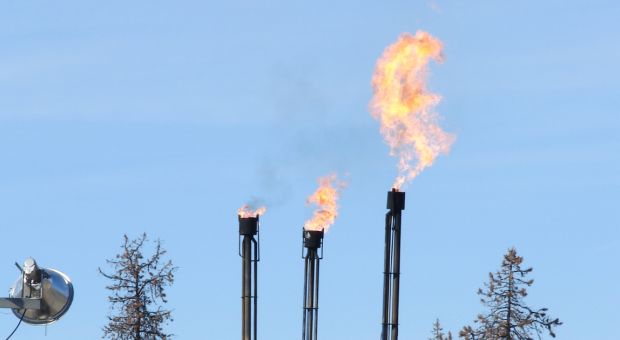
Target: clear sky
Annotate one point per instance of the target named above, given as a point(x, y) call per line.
point(162, 117)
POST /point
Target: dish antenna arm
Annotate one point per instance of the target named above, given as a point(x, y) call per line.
point(20, 303)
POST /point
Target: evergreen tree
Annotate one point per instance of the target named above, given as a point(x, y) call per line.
point(509, 317)
point(136, 285)
point(437, 334)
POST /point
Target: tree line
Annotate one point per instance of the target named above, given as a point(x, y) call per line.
point(138, 284)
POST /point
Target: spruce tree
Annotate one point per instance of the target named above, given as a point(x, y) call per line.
point(437, 332)
point(508, 316)
point(137, 283)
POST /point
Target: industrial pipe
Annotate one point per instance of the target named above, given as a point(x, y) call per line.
point(313, 240)
point(391, 268)
point(250, 254)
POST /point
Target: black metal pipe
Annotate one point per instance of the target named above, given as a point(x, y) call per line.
point(303, 326)
point(249, 252)
point(391, 270)
point(396, 276)
point(312, 241)
point(316, 294)
point(247, 287)
point(256, 255)
point(386, 275)
point(310, 304)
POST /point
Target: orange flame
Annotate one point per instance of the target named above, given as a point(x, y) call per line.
point(325, 199)
point(247, 211)
point(404, 105)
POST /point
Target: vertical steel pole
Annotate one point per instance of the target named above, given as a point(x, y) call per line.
point(243, 314)
point(396, 275)
point(310, 308)
point(255, 288)
point(391, 268)
point(387, 267)
point(303, 328)
point(316, 298)
point(248, 228)
point(312, 241)
point(247, 287)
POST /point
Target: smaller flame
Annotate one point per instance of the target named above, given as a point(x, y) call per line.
point(247, 211)
point(325, 199)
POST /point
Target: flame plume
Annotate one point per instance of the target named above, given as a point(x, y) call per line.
point(404, 106)
point(247, 211)
point(325, 199)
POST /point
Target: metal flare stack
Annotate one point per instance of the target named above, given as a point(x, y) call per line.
point(249, 250)
point(312, 241)
point(391, 273)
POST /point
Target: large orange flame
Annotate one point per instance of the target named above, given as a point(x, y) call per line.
point(405, 107)
point(325, 198)
point(247, 211)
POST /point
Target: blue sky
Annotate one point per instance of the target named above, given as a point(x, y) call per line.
point(160, 117)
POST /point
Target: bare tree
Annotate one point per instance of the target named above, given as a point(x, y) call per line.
point(509, 317)
point(437, 332)
point(137, 284)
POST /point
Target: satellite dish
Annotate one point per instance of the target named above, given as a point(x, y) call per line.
point(53, 288)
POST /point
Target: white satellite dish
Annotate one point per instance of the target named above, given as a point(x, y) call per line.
point(52, 289)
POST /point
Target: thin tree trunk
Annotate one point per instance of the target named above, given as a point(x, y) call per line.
point(510, 278)
point(137, 277)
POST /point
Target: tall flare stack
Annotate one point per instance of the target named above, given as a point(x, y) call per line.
point(326, 199)
point(391, 272)
point(404, 105)
point(249, 250)
point(312, 241)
